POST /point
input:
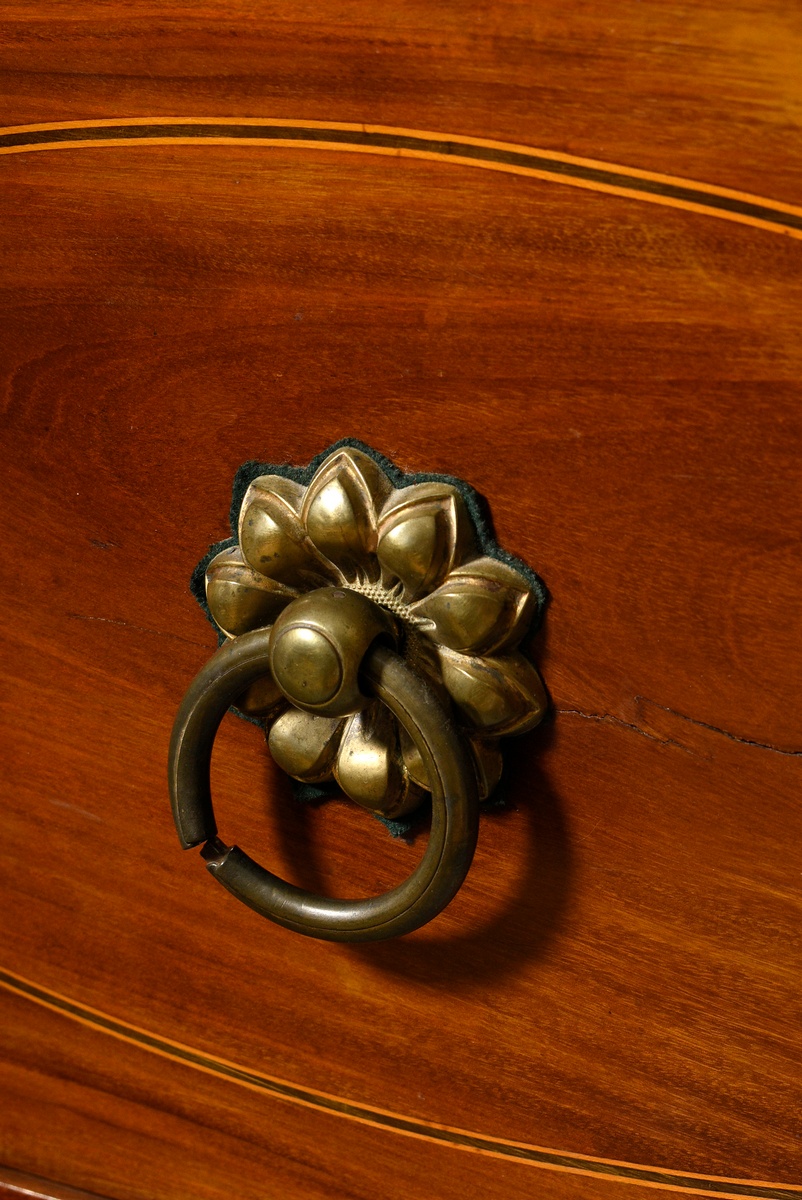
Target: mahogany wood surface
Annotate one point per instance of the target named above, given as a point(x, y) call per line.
point(611, 1004)
point(711, 90)
point(18, 1185)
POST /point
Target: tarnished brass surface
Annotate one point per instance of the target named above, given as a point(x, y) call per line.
point(378, 642)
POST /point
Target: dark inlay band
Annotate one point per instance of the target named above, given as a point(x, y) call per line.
point(678, 192)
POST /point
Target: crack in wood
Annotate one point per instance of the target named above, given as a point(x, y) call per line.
point(609, 719)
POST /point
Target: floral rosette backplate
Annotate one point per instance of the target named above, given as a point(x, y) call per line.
point(418, 547)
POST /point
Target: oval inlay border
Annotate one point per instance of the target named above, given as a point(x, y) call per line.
point(383, 1119)
point(549, 165)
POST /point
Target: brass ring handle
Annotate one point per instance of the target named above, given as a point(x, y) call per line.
point(374, 630)
point(450, 850)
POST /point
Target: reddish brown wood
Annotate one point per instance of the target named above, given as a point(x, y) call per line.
point(206, 1141)
point(710, 90)
point(619, 976)
point(16, 1185)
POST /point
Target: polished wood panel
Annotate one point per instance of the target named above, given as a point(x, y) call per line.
point(710, 90)
point(252, 1144)
point(619, 977)
point(18, 1185)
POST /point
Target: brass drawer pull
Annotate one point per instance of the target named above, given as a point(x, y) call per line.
point(372, 626)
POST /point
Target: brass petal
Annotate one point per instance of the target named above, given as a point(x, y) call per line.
point(488, 761)
point(424, 531)
point(484, 606)
point(304, 745)
point(239, 598)
point(263, 699)
point(339, 511)
point(369, 768)
point(272, 537)
point(495, 695)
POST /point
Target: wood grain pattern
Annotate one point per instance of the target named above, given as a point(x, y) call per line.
point(18, 1185)
point(389, 1122)
point(619, 978)
point(710, 91)
point(243, 1144)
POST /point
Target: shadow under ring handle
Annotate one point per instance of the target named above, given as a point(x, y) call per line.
point(455, 816)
